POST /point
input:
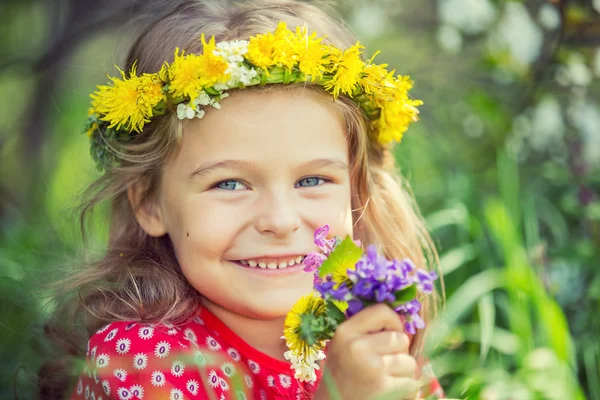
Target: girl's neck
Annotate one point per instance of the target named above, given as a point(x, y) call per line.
point(263, 335)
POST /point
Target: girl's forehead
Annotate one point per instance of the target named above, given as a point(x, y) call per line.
point(299, 122)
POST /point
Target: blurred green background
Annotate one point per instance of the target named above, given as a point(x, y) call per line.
point(505, 165)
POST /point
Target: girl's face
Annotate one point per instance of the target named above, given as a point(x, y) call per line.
point(248, 188)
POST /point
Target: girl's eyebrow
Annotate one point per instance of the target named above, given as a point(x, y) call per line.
point(208, 167)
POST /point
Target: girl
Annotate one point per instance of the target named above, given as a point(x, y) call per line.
point(212, 216)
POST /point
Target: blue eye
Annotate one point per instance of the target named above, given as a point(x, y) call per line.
point(231, 185)
point(310, 181)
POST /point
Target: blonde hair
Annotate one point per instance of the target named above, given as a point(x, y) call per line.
point(138, 278)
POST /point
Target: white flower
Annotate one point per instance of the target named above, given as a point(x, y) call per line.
point(162, 349)
point(172, 332)
point(240, 395)
point(198, 320)
point(233, 353)
point(254, 367)
point(249, 381)
point(158, 379)
point(212, 343)
point(213, 379)
point(305, 365)
point(177, 368)
point(192, 386)
point(106, 387)
point(96, 378)
point(124, 394)
point(285, 381)
point(123, 345)
point(120, 374)
point(228, 369)
point(93, 352)
point(270, 381)
point(102, 361)
point(103, 329)
point(129, 326)
point(92, 395)
point(203, 99)
point(140, 361)
point(200, 113)
point(199, 358)
point(185, 111)
point(176, 394)
point(190, 335)
point(111, 335)
point(146, 332)
point(79, 386)
point(224, 385)
point(137, 390)
point(232, 51)
point(87, 392)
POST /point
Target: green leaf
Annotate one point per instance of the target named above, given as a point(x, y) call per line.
point(405, 295)
point(345, 256)
point(333, 310)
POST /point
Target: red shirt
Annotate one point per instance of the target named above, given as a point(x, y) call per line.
point(202, 359)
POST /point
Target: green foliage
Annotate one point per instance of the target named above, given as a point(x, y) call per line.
point(344, 257)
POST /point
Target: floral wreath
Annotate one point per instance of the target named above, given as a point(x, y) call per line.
point(193, 82)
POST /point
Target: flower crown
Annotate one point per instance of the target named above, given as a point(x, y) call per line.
point(193, 82)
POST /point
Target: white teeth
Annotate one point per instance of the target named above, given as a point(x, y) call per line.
point(272, 264)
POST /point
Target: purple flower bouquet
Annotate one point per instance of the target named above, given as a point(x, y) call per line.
point(346, 281)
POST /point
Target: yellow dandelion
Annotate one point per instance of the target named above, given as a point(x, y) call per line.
point(212, 67)
point(311, 53)
point(346, 69)
point(129, 101)
point(395, 119)
point(271, 49)
point(190, 73)
point(184, 75)
point(309, 306)
point(378, 82)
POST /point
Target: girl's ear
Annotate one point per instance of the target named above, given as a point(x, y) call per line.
point(147, 213)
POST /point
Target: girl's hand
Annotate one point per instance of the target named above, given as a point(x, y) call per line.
point(368, 356)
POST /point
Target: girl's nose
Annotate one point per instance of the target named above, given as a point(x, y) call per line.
point(278, 216)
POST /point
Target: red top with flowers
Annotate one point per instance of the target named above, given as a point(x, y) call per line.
point(202, 359)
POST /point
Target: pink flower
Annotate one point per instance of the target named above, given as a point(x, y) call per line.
point(313, 261)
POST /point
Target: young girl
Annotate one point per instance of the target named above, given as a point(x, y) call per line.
point(214, 205)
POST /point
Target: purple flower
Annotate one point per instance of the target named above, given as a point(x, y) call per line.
point(325, 287)
point(412, 323)
point(424, 280)
point(327, 290)
point(313, 261)
point(320, 239)
point(354, 306)
point(411, 312)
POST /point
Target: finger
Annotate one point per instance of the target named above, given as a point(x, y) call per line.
point(375, 318)
point(400, 365)
point(401, 388)
point(386, 342)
